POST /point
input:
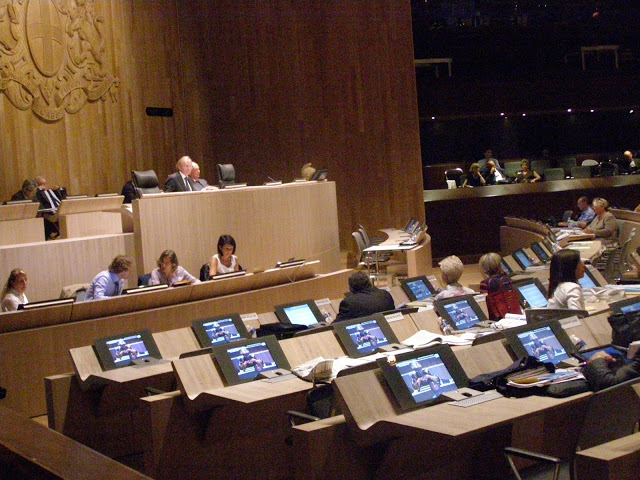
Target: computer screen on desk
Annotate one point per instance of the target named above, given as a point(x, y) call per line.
point(628, 305)
point(363, 336)
point(244, 360)
point(546, 341)
point(588, 281)
point(540, 252)
point(460, 312)
point(45, 303)
point(122, 350)
point(218, 330)
point(506, 268)
point(417, 288)
point(532, 293)
point(522, 258)
point(419, 377)
point(304, 313)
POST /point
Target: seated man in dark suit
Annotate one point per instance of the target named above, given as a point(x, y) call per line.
point(492, 173)
point(49, 199)
point(129, 192)
point(365, 299)
point(180, 181)
point(198, 183)
point(27, 192)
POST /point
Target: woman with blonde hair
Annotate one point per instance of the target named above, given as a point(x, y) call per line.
point(604, 225)
point(13, 293)
point(451, 269)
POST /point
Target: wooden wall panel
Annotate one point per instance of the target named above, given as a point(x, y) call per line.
point(267, 86)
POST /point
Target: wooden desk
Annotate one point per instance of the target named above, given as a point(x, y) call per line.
point(598, 49)
point(269, 224)
point(85, 217)
point(18, 224)
point(615, 460)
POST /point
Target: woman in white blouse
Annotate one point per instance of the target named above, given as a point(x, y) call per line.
point(564, 289)
point(13, 293)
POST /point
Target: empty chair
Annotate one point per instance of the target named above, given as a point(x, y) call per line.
point(567, 163)
point(607, 169)
point(589, 162)
point(454, 174)
point(609, 414)
point(226, 174)
point(511, 169)
point(144, 280)
point(554, 174)
point(540, 165)
point(145, 182)
point(581, 172)
point(369, 240)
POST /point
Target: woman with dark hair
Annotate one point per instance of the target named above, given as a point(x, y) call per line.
point(169, 272)
point(13, 293)
point(564, 290)
point(527, 175)
point(225, 260)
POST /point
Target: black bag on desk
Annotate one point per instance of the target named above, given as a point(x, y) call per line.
point(488, 381)
point(625, 328)
point(280, 330)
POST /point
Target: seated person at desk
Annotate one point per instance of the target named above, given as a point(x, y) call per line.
point(197, 182)
point(224, 261)
point(602, 371)
point(496, 279)
point(628, 164)
point(564, 289)
point(488, 157)
point(474, 179)
point(526, 175)
point(49, 202)
point(169, 272)
point(492, 173)
point(180, 181)
point(451, 269)
point(109, 283)
point(604, 225)
point(13, 293)
point(586, 215)
point(365, 299)
point(27, 192)
point(129, 192)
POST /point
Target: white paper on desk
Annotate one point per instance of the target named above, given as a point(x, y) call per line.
point(424, 338)
point(559, 376)
point(510, 321)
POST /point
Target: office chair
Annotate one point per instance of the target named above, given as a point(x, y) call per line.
point(454, 174)
point(583, 171)
point(226, 174)
point(610, 414)
point(205, 272)
point(511, 169)
point(144, 280)
point(567, 163)
point(145, 182)
point(554, 174)
point(540, 165)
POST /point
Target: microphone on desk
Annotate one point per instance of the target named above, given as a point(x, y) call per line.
point(271, 179)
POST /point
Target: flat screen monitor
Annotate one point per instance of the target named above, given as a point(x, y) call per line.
point(522, 258)
point(45, 303)
point(546, 341)
point(460, 312)
point(540, 252)
point(588, 281)
point(628, 305)
point(219, 330)
point(532, 293)
point(304, 313)
point(417, 288)
point(506, 268)
point(547, 243)
point(419, 378)
point(244, 360)
point(363, 336)
point(320, 174)
point(122, 350)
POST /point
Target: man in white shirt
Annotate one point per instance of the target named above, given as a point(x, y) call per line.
point(180, 181)
point(492, 173)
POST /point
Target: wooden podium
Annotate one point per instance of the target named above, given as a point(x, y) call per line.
point(89, 216)
point(18, 224)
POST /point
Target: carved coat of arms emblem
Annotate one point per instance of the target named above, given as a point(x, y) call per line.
point(52, 56)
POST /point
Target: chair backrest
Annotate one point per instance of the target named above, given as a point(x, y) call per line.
point(554, 174)
point(567, 163)
point(145, 182)
point(581, 172)
point(540, 165)
point(589, 162)
point(610, 414)
point(226, 174)
point(357, 236)
point(566, 216)
point(144, 280)
point(511, 169)
point(205, 272)
point(454, 174)
point(365, 237)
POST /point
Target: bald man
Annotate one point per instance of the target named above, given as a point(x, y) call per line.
point(198, 183)
point(180, 181)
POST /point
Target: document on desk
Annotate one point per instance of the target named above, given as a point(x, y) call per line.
point(541, 377)
point(424, 338)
